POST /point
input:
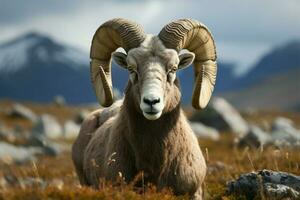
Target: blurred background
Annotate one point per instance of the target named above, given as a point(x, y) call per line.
point(44, 47)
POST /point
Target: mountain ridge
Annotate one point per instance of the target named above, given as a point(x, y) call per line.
point(34, 67)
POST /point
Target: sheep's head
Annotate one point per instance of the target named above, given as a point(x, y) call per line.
point(152, 69)
point(153, 61)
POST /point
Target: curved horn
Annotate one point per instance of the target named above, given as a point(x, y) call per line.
point(194, 36)
point(109, 36)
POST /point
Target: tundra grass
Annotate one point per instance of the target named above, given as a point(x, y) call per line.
point(224, 159)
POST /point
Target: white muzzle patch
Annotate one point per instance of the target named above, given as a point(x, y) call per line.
point(152, 103)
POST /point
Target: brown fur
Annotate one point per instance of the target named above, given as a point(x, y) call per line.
point(166, 150)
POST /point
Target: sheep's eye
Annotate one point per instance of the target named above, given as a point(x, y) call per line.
point(172, 70)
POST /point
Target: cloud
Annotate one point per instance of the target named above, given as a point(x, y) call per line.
point(243, 29)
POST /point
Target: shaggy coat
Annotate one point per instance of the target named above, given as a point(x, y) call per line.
point(165, 150)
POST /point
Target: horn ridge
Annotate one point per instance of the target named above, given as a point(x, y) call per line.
point(194, 36)
point(108, 37)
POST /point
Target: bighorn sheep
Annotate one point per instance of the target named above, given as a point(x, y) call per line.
point(147, 132)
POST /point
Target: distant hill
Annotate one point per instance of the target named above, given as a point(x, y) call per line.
point(280, 60)
point(279, 92)
point(34, 67)
point(274, 83)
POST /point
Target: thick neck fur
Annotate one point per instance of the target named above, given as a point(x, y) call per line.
point(151, 141)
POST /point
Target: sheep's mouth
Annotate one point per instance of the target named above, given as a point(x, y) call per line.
point(152, 115)
point(152, 112)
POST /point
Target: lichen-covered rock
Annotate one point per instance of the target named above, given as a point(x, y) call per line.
point(16, 154)
point(10, 180)
point(71, 129)
point(203, 131)
point(21, 111)
point(50, 148)
point(278, 191)
point(217, 166)
point(255, 137)
point(221, 115)
point(266, 184)
point(284, 133)
point(6, 134)
point(48, 126)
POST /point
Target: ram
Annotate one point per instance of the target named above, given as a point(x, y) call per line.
point(147, 131)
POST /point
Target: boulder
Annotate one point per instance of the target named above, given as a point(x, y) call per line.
point(284, 133)
point(10, 180)
point(266, 184)
point(203, 131)
point(71, 129)
point(59, 100)
point(222, 116)
point(21, 111)
point(217, 167)
point(48, 126)
point(15, 154)
point(6, 134)
point(255, 137)
point(48, 147)
point(282, 123)
point(278, 191)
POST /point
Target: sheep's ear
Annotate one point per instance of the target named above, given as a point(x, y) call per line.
point(120, 59)
point(185, 60)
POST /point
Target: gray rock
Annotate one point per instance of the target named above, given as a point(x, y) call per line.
point(32, 182)
point(59, 100)
point(5, 133)
point(15, 154)
point(278, 191)
point(52, 149)
point(222, 116)
point(12, 135)
point(48, 126)
point(21, 111)
point(281, 123)
point(203, 131)
point(10, 180)
point(266, 183)
point(48, 147)
point(217, 167)
point(284, 133)
point(71, 129)
point(255, 137)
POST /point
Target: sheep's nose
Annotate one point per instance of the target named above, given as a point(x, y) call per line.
point(151, 101)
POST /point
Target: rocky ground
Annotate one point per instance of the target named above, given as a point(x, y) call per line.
point(251, 155)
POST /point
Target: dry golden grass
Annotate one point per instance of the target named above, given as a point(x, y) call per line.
point(224, 159)
point(226, 162)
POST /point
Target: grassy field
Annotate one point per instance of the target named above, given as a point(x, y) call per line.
point(224, 159)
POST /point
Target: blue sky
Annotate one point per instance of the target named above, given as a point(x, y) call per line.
point(244, 30)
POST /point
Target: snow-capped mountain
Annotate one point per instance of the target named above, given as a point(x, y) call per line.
point(34, 67)
point(17, 53)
